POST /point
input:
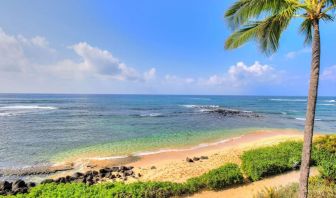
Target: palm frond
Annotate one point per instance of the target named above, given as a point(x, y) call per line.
point(266, 32)
point(244, 10)
point(307, 30)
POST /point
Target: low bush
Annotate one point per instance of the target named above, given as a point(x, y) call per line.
point(325, 156)
point(327, 167)
point(266, 161)
point(222, 177)
point(289, 191)
point(318, 188)
point(326, 143)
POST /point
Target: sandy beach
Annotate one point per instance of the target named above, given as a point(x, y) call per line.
point(171, 165)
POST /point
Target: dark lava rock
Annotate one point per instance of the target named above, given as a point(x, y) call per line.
point(61, 180)
point(19, 186)
point(87, 173)
point(153, 167)
point(103, 171)
point(139, 175)
point(77, 175)
point(102, 174)
point(89, 182)
point(115, 169)
point(19, 183)
point(129, 173)
point(94, 172)
point(5, 186)
point(196, 158)
point(31, 184)
point(68, 178)
point(47, 181)
point(189, 160)
point(123, 168)
point(112, 176)
point(204, 157)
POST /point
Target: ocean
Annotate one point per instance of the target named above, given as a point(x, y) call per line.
point(41, 129)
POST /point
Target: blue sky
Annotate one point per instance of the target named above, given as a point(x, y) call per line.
point(147, 47)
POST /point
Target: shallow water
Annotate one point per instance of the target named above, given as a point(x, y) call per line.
point(37, 129)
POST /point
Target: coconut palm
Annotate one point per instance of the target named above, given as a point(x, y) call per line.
point(264, 21)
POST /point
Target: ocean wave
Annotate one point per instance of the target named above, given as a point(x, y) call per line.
point(151, 115)
point(304, 119)
point(200, 98)
point(327, 104)
point(329, 101)
point(5, 114)
point(288, 100)
point(23, 107)
point(200, 106)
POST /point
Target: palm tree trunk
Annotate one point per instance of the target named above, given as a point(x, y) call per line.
point(310, 115)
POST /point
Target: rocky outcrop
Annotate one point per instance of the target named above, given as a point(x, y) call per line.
point(121, 173)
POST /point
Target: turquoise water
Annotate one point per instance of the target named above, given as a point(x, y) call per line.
point(38, 129)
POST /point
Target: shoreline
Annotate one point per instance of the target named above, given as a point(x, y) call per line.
point(171, 165)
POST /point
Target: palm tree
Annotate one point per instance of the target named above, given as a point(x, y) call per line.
point(264, 21)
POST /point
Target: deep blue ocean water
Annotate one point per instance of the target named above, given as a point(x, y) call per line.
point(39, 128)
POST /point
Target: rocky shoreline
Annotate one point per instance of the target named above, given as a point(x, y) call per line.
point(112, 174)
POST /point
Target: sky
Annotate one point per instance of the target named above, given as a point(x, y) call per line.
point(147, 47)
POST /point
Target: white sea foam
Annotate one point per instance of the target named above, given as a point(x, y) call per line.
point(327, 104)
point(202, 145)
point(108, 158)
point(329, 100)
point(304, 119)
point(151, 115)
point(287, 100)
point(3, 114)
point(200, 106)
point(144, 153)
point(23, 107)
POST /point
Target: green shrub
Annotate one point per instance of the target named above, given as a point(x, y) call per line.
point(326, 143)
point(325, 156)
point(261, 162)
point(327, 167)
point(289, 191)
point(318, 188)
point(222, 177)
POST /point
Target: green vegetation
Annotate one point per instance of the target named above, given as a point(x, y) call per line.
point(326, 156)
point(318, 188)
point(266, 161)
point(217, 179)
point(290, 191)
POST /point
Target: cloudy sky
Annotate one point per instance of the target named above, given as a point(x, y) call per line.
point(147, 47)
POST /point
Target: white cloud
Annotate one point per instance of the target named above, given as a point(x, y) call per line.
point(242, 75)
point(294, 54)
point(178, 80)
point(150, 74)
point(34, 56)
point(329, 73)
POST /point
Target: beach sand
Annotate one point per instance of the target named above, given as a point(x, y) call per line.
point(172, 165)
